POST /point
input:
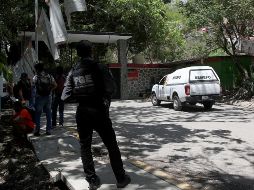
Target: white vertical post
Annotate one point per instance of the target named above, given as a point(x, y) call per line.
point(122, 59)
point(36, 35)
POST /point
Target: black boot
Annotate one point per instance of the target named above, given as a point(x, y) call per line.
point(94, 182)
point(124, 182)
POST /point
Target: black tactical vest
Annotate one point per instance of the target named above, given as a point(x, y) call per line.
point(87, 81)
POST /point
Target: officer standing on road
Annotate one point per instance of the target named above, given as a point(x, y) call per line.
point(91, 85)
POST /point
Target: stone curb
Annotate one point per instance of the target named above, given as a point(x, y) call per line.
point(152, 170)
point(161, 174)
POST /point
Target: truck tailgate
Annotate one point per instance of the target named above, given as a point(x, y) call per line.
point(204, 88)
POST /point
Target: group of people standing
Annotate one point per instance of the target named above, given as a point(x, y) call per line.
point(91, 85)
point(42, 94)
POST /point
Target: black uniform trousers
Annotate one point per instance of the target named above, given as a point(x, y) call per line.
point(89, 118)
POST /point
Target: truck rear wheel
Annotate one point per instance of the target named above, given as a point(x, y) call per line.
point(208, 105)
point(177, 104)
point(192, 103)
point(154, 100)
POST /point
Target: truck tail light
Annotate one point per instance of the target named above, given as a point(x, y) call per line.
point(187, 89)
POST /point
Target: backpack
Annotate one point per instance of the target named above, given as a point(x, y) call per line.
point(109, 84)
point(43, 85)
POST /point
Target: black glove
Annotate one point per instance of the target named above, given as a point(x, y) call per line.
point(106, 102)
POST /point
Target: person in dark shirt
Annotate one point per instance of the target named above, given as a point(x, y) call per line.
point(58, 103)
point(91, 85)
point(24, 89)
point(43, 84)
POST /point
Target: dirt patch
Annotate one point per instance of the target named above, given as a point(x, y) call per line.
point(19, 167)
point(245, 104)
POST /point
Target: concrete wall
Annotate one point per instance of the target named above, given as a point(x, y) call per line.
point(146, 79)
point(141, 77)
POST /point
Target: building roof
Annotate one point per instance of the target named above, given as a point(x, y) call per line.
point(94, 37)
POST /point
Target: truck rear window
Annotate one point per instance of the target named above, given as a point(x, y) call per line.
point(202, 75)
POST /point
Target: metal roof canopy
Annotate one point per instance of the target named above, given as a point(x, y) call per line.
point(94, 37)
point(101, 37)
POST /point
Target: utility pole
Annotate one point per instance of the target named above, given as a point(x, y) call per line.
point(35, 32)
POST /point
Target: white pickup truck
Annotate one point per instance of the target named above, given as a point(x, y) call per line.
point(196, 84)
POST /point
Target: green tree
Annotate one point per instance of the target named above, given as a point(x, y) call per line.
point(154, 29)
point(227, 21)
point(170, 46)
point(154, 25)
point(15, 16)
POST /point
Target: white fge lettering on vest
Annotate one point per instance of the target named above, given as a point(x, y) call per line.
point(82, 80)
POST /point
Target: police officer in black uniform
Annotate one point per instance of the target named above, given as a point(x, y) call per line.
point(91, 85)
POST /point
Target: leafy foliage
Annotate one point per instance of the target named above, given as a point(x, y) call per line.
point(227, 21)
point(15, 15)
point(4, 69)
point(156, 26)
point(153, 24)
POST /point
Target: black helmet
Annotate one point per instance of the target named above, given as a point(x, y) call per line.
point(23, 75)
point(84, 48)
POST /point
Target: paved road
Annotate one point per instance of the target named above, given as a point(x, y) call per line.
point(208, 149)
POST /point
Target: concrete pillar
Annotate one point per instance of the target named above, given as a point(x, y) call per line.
point(122, 59)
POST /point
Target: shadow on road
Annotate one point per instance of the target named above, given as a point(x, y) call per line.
point(208, 158)
point(165, 112)
point(153, 134)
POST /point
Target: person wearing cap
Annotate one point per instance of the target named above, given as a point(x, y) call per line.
point(92, 85)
